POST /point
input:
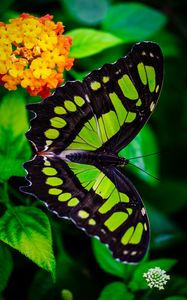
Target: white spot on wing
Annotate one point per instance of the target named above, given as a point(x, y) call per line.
point(118, 71)
point(145, 226)
point(143, 211)
point(87, 98)
point(152, 106)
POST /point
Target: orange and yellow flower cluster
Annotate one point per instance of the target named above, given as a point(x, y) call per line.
point(33, 53)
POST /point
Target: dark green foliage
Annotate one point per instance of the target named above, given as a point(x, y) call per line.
point(103, 31)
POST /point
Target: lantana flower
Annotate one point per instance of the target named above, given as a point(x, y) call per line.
point(156, 277)
point(33, 54)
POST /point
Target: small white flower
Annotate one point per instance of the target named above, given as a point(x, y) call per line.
point(156, 277)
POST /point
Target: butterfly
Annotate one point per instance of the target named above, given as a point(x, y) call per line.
point(78, 132)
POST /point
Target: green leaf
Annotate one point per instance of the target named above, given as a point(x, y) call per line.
point(78, 75)
point(11, 167)
point(14, 148)
point(133, 21)
point(164, 232)
point(87, 41)
point(169, 43)
point(6, 266)
point(5, 5)
point(115, 291)
point(70, 275)
point(27, 230)
point(106, 261)
point(179, 285)
point(138, 282)
point(171, 188)
point(13, 115)
point(138, 147)
point(87, 12)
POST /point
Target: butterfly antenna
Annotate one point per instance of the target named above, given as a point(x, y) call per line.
point(144, 171)
point(155, 153)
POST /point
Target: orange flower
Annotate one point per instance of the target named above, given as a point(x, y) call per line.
point(34, 54)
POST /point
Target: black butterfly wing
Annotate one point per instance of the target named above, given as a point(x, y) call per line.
point(103, 202)
point(130, 93)
point(106, 110)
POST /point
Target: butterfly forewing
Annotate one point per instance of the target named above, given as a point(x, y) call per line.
point(59, 119)
point(124, 94)
point(104, 112)
point(100, 115)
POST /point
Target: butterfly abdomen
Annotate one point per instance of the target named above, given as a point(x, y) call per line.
point(90, 157)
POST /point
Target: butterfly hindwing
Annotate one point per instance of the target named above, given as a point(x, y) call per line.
point(102, 202)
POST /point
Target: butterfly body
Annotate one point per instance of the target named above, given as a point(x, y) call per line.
point(78, 132)
point(102, 159)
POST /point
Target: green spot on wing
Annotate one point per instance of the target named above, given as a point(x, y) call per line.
point(142, 73)
point(86, 139)
point(57, 122)
point(73, 202)
point(102, 130)
point(128, 87)
point(54, 181)
point(119, 107)
point(92, 222)
point(139, 102)
point(131, 116)
point(64, 197)
point(105, 187)
point(49, 171)
point(110, 202)
point(87, 174)
point(95, 85)
point(54, 191)
point(127, 235)
point(116, 220)
point(111, 124)
point(79, 100)
point(52, 133)
point(151, 75)
point(69, 105)
point(59, 110)
point(105, 79)
point(83, 214)
point(137, 235)
point(123, 197)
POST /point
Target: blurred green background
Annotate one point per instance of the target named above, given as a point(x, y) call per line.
point(102, 32)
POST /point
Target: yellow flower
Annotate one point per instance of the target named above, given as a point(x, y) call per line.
point(47, 41)
point(34, 54)
point(40, 68)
